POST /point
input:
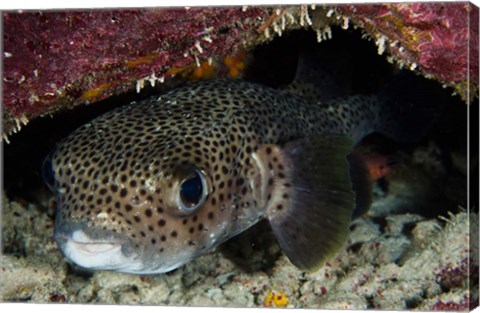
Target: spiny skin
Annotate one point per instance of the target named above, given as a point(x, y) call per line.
point(116, 178)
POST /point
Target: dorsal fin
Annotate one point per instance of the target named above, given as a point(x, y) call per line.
point(320, 76)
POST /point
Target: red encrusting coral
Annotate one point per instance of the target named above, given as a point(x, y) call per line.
point(439, 39)
point(451, 276)
point(56, 60)
point(463, 305)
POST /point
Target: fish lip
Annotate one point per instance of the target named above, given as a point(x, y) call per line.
point(93, 253)
point(80, 239)
point(107, 254)
point(94, 247)
point(86, 246)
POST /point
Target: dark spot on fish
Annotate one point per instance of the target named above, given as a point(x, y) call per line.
point(148, 212)
point(123, 192)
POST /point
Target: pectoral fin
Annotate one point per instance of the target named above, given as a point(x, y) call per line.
point(309, 197)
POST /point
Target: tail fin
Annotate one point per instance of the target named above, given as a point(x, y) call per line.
point(409, 104)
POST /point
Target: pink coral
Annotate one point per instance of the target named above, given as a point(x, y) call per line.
point(56, 60)
point(440, 39)
point(463, 305)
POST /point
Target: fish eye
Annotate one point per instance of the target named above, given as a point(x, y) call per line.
point(193, 192)
point(47, 171)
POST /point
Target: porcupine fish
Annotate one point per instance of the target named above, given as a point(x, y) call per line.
point(149, 186)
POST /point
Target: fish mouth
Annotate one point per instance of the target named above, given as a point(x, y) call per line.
point(109, 252)
point(97, 254)
point(93, 248)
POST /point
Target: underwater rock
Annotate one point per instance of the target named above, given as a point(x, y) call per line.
point(58, 60)
point(31, 266)
point(440, 40)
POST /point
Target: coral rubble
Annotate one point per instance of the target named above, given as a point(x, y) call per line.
point(410, 262)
